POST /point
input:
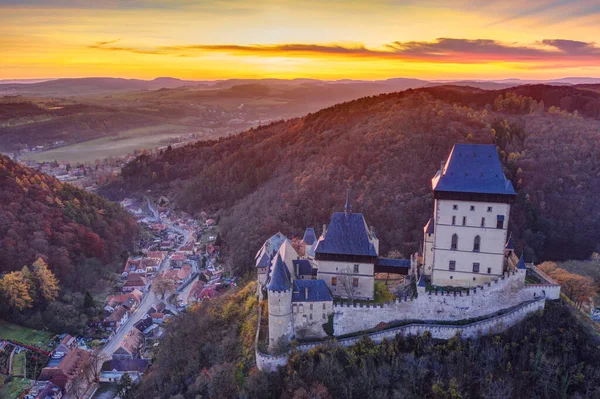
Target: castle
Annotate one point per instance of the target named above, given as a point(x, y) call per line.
point(467, 268)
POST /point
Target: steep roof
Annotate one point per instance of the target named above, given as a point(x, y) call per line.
point(271, 245)
point(347, 234)
point(521, 264)
point(310, 237)
point(280, 280)
point(304, 267)
point(317, 291)
point(132, 341)
point(264, 260)
point(473, 168)
point(429, 227)
point(510, 243)
point(139, 365)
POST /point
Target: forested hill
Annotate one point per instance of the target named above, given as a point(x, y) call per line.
point(293, 174)
point(81, 236)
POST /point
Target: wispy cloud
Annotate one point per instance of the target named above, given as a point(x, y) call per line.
point(445, 50)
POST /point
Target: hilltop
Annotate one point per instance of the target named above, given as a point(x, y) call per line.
point(293, 174)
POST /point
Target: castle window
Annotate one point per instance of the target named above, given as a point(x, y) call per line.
point(482, 222)
point(355, 269)
point(489, 208)
point(464, 220)
point(489, 270)
point(454, 243)
point(474, 279)
point(310, 316)
point(334, 281)
point(311, 306)
point(455, 207)
point(453, 220)
point(355, 281)
point(475, 267)
point(500, 222)
point(452, 265)
point(451, 277)
point(323, 316)
point(476, 244)
point(323, 306)
point(472, 207)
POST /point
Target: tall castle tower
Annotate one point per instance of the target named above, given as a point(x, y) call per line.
point(464, 241)
point(280, 304)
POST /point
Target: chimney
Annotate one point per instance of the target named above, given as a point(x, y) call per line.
point(324, 230)
point(306, 293)
point(441, 167)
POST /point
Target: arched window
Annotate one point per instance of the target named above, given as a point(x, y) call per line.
point(476, 244)
point(454, 244)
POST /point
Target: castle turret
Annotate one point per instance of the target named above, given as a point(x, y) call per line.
point(280, 305)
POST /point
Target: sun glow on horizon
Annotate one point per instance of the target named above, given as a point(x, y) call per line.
point(218, 39)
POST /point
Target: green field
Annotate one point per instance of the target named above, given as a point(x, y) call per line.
point(113, 146)
point(25, 335)
point(18, 363)
point(13, 388)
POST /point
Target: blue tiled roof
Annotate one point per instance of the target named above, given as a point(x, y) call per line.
point(393, 262)
point(272, 245)
point(309, 236)
point(280, 279)
point(347, 234)
point(303, 266)
point(264, 261)
point(473, 168)
point(521, 264)
point(317, 291)
point(429, 227)
point(510, 243)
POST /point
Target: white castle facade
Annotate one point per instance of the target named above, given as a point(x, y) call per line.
point(467, 270)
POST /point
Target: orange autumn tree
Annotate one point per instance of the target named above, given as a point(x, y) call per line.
point(579, 288)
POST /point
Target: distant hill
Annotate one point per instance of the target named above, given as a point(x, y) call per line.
point(81, 236)
point(90, 86)
point(293, 174)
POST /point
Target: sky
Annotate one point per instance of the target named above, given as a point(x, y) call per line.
point(333, 39)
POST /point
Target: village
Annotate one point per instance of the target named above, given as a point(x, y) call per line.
point(176, 266)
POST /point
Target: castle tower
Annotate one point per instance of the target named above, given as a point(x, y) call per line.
point(280, 304)
point(470, 221)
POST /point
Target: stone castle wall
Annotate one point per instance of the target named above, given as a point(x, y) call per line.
point(504, 293)
point(493, 325)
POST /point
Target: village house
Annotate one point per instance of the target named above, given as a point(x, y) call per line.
point(113, 370)
point(143, 323)
point(179, 276)
point(131, 346)
point(62, 369)
point(116, 318)
point(133, 282)
point(177, 259)
point(44, 390)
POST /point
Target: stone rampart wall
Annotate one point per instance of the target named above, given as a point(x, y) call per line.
point(504, 293)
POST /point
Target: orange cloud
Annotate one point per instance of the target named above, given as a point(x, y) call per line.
point(441, 50)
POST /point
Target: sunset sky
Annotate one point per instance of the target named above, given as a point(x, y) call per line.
point(331, 39)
